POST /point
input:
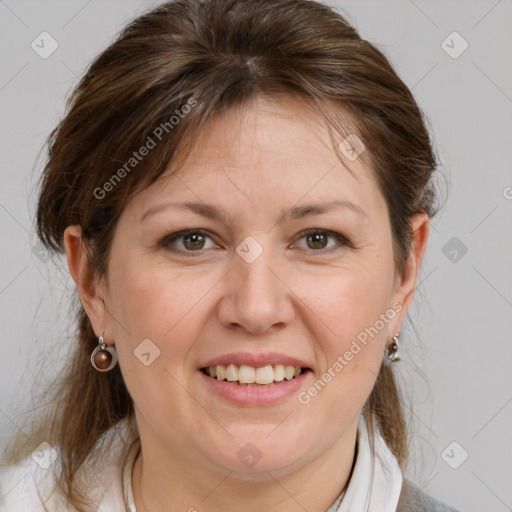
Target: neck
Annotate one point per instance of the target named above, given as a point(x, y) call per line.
point(161, 482)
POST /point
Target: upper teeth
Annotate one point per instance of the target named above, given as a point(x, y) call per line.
point(250, 375)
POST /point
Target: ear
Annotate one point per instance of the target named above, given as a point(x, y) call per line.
point(406, 284)
point(89, 288)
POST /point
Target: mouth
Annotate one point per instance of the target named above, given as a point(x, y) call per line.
point(249, 376)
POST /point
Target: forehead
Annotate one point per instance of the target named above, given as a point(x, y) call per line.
point(268, 153)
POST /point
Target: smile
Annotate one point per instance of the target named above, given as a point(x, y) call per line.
point(267, 385)
point(244, 375)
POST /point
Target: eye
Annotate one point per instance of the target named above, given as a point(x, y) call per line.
point(317, 240)
point(191, 240)
point(195, 240)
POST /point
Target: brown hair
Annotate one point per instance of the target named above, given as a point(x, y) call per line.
point(212, 55)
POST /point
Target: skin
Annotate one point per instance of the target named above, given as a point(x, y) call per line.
point(295, 299)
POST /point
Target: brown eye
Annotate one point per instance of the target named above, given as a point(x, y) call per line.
point(192, 240)
point(318, 240)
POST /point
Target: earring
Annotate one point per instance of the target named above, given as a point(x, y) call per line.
point(103, 358)
point(392, 350)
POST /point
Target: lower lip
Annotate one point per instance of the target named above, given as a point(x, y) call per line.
point(255, 395)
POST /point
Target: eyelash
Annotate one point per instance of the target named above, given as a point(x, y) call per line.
point(168, 240)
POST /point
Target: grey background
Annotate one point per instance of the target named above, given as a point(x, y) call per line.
point(456, 363)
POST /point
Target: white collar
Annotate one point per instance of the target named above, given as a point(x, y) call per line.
point(375, 483)
point(376, 480)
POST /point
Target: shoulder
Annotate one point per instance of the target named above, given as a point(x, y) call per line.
point(31, 484)
point(413, 499)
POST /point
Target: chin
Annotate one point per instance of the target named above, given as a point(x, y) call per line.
point(252, 457)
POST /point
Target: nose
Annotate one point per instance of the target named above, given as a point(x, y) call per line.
point(256, 296)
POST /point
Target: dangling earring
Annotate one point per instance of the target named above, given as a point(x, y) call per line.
point(103, 358)
point(392, 350)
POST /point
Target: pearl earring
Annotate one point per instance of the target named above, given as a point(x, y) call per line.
point(103, 357)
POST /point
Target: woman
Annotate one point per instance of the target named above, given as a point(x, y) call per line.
point(243, 192)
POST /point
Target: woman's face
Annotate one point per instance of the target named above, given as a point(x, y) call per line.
point(254, 289)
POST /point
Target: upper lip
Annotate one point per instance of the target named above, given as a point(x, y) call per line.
point(255, 360)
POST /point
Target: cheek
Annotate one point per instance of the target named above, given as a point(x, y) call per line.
point(157, 303)
point(348, 303)
point(351, 339)
point(352, 306)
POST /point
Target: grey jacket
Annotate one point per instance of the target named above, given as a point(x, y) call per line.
point(413, 499)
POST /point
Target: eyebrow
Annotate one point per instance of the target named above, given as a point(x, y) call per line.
point(295, 213)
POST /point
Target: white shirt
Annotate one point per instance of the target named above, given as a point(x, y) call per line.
point(23, 486)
